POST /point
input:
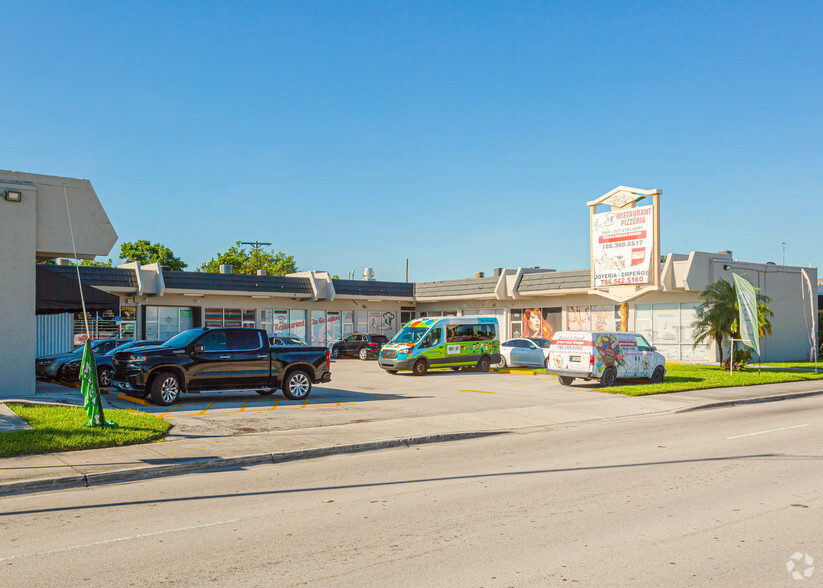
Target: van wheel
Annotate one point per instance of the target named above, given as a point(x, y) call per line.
point(165, 389)
point(565, 380)
point(608, 378)
point(297, 385)
point(484, 364)
point(420, 368)
point(657, 376)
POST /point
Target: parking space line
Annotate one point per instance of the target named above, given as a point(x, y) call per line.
point(243, 408)
point(133, 399)
point(172, 410)
point(205, 409)
point(478, 391)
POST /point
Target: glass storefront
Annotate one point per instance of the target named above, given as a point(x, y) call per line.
point(669, 328)
point(164, 322)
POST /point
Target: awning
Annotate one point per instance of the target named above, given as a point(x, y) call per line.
point(56, 293)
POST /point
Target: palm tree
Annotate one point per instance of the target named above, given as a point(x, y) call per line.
point(717, 315)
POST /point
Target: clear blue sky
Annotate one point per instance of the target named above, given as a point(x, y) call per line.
point(462, 135)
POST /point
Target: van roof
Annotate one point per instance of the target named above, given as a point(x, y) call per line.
point(430, 321)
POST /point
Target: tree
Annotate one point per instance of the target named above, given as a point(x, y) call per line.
point(147, 252)
point(84, 263)
point(245, 262)
point(717, 315)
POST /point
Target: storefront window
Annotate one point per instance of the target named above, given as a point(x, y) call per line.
point(669, 328)
point(248, 319)
point(318, 327)
point(348, 322)
point(578, 318)
point(334, 326)
point(297, 323)
point(164, 322)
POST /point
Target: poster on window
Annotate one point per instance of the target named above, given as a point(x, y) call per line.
point(541, 323)
point(375, 322)
point(388, 325)
point(622, 243)
point(185, 319)
point(605, 318)
point(577, 318)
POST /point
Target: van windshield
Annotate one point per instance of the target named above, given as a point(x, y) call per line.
point(409, 335)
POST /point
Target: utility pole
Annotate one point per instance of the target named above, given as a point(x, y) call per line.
point(784, 252)
point(256, 245)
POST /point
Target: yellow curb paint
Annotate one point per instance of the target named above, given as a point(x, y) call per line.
point(244, 407)
point(134, 399)
point(172, 410)
point(208, 407)
point(478, 391)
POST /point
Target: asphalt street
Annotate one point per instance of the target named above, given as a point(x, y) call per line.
point(721, 497)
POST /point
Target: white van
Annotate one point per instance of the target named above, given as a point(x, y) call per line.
point(603, 356)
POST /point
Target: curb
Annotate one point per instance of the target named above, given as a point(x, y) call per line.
point(727, 403)
point(207, 465)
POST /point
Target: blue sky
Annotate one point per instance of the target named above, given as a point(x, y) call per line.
point(462, 135)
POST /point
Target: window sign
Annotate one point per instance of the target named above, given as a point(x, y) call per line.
point(375, 322)
point(577, 318)
point(318, 327)
point(334, 327)
point(297, 324)
point(185, 319)
point(214, 317)
point(232, 317)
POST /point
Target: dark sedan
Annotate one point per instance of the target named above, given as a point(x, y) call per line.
point(105, 369)
point(49, 367)
point(358, 345)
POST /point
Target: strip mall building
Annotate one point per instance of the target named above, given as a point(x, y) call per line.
point(630, 286)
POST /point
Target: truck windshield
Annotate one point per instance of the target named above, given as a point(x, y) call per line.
point(184, 338)
point(409, 335)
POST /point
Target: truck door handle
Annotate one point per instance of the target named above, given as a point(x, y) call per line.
point(225, 357)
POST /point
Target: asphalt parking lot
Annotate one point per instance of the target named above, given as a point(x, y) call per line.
point(359, 392)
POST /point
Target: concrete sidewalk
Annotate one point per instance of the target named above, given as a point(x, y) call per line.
point(203, 453)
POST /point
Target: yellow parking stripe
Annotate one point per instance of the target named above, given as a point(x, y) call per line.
point(172, 410)
point(478, 391)
point(133, 399)
point(208, 407)
point(244, 407)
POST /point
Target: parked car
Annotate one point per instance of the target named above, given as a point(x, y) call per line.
point(286, 340)
point(223, 358)
point(603, 356)
point(358, 345)
point(436, 342)
point(105, 369)
point(532, 352)
point(49, 367)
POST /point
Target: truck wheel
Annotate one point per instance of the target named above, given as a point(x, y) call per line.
point(608, 378)
point(483, 364)
point(565, 380)
point(335, 352)
point(363, 353)
point(657, 376)
point(297, 385)
point(165, 389)
point(420, 368)
point(104, 376)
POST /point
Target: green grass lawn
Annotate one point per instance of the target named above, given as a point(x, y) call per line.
point(60, 428)
point(804, 363)
point(697, 377)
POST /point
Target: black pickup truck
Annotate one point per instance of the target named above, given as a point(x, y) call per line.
point(220, 359)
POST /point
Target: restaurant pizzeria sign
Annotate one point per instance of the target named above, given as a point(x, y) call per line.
point(624, 240)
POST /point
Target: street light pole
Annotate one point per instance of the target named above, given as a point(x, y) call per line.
point(784, 252)
point(256, 245)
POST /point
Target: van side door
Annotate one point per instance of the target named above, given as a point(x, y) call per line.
point(433, 347)
point(645, 358)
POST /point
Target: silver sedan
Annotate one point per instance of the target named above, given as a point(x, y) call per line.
point(525, 352)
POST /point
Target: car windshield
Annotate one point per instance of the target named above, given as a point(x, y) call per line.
point(184, 338)
point(409, 335)
point(544, 343)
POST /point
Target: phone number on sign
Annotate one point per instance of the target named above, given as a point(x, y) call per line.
point(618, 281)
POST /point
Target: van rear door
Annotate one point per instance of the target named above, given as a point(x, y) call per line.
point(571, 352)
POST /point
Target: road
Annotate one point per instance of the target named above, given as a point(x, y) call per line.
point(719, 497)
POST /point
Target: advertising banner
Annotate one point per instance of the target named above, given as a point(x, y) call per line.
point(622, 246)
point(747, 303)
point(541, 323)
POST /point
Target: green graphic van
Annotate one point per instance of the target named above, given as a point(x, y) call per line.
point(439, 342)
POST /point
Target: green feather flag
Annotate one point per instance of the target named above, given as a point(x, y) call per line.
point(92, 401)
